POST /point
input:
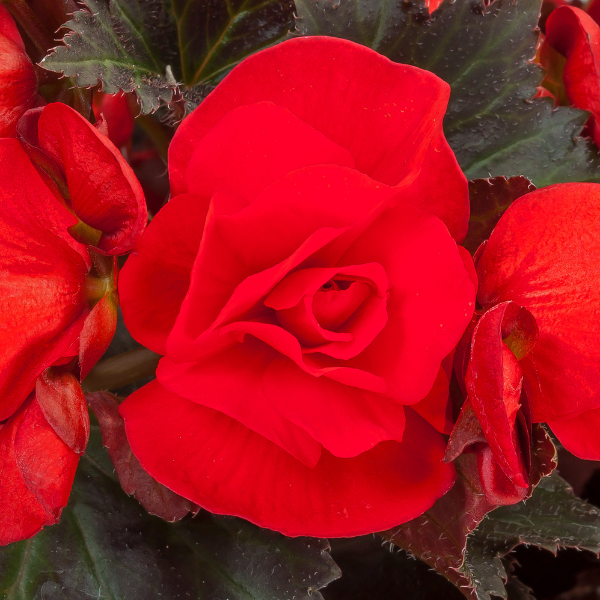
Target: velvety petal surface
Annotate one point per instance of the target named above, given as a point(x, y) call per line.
point(431, 299)
point(42, 274)
point(579, 435)
point(244, 255)
point(232, 383)
point(36, 474)
point(543, 255)
point(253, 146)
point(395, 110)
point(228, 469)
point(18, 81)
point(442, 188)
point(105, 194)
point(156, 276)
point(345, 419)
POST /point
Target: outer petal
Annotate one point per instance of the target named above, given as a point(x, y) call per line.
point(18, 82)
point(36, 474)
point(544, 255)
point(156, 276)
point(430, 302)
point(436, 407)
point(395, 111)
point(442, 188)
point(232, 383)
point(253, 146)
point(579, 435)
point(105, 193)
point(42, 273)
point(345, 419)
point(228, 469)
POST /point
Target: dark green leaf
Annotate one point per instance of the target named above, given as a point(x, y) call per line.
point(552, 518)
point(232, 30)
point(492, 124)
point(127, 45)
point(376, 571)
point(157, 47)
point(106, 546)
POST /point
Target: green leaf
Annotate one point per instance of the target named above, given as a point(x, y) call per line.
point(125, 44)
point(492, 124)
point(159, 47)
point(552, 518)
point(234, 29)
point(106, 546)
point(439, 537)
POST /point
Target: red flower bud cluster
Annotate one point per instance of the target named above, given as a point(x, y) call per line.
point(69, 204)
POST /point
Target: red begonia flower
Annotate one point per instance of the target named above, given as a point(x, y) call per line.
point(543, 256)
point(90, 173)
point(18, 81)
point(305, 287)
point(571, 53)
point(58, 309)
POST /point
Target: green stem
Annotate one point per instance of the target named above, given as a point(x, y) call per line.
point(123, 369)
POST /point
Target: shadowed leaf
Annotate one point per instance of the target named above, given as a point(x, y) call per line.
point(492, 124)
point(160, 47)
point(106, 546)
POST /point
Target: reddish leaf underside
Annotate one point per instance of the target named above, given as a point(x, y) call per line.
point(154, 497)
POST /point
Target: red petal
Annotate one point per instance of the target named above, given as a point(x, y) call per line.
point(395, 111)
point(97, 333)
point(37, 473)
point(580, 434)
point(105, 193)
point(156, 276)
point(361, 308)
point(44, 273)
point(442, 188)
point(430, 302)
point(228, 469)
point(345, 420)
point(544, 255)
point(8, 28)
point(316, 204)
point(499, 490)
point(63, 404)
point(232, 384)
point(262, 142)
point(493, 381)
point(436, 407)
point(18, 81)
